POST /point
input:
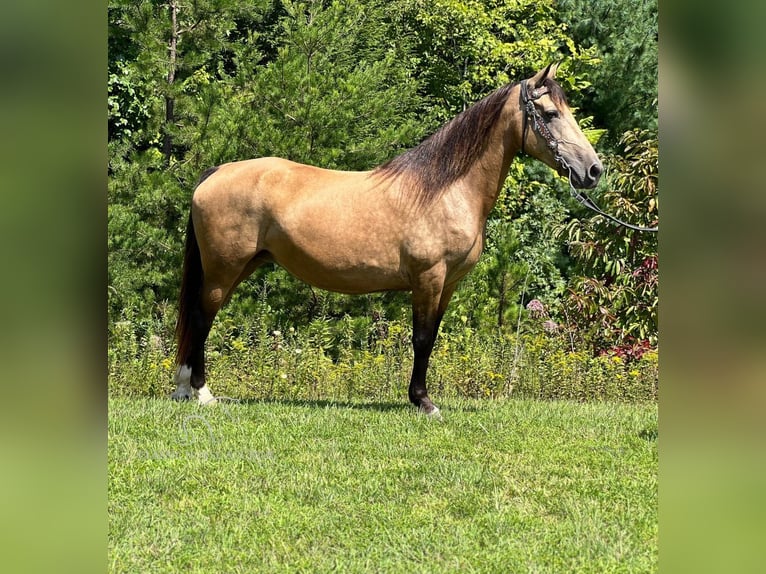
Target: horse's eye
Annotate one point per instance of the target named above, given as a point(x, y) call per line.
point(551, 114)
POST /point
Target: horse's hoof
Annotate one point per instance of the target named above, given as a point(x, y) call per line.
point(431, 411)
point(183, 390)
point(181, 396)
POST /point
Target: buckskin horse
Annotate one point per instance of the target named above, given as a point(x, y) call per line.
point(415, 223)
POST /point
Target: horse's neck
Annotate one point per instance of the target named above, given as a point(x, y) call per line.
point(485, 179)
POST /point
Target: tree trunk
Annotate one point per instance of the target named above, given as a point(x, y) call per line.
point(167, 142)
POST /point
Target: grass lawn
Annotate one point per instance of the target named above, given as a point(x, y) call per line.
point(281, 486)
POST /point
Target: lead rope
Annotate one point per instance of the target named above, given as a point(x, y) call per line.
point(583, 198)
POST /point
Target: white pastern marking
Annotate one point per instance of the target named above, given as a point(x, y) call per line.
point(205, 396)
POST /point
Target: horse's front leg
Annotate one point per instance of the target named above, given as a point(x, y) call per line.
point(429, 301)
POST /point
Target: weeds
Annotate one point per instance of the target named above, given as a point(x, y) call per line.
point(353, 359)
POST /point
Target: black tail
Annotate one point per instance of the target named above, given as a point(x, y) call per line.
point(189, 299)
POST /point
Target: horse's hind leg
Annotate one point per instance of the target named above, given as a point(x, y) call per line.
point(190, 376)
point(215, 292)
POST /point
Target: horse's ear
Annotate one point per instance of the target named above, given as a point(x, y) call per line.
point(553, 69)
point(537, 79)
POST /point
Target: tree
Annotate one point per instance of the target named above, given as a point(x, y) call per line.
point(336, 93)
point(625, 34)
point(463, 49)
point(154, 48)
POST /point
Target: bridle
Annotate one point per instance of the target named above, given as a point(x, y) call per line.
point(540, 126)
point(538, 122)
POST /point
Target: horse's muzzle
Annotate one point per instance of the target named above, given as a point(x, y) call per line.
point(587, 180)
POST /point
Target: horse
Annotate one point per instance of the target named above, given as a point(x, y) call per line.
point(415, 223)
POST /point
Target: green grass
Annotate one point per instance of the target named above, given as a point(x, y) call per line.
point(291, 486)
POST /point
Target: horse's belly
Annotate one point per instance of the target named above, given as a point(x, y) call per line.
point(342, 272)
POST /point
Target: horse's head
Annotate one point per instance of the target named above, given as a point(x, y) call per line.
point(551, 134)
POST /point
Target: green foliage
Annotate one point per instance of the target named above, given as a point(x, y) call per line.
point(146, 215)
point(625, 35)
point(613, 297)
point(335, 93)
point(128, 108)
point(464, 49)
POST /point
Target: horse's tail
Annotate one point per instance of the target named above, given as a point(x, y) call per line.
point(189, 298)
point(191, 288)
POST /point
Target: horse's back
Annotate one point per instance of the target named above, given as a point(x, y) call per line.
point(333, 229)
point(275, 181)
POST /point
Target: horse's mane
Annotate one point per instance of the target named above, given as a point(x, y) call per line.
point(448, 154)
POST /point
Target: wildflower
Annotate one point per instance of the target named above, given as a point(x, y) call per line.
point(536, 308)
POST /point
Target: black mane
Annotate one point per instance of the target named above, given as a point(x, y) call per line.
point(448, 154)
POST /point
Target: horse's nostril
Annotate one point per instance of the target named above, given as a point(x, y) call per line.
point(595, 171)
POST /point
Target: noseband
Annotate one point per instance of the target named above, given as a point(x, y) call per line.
point(539, 125)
